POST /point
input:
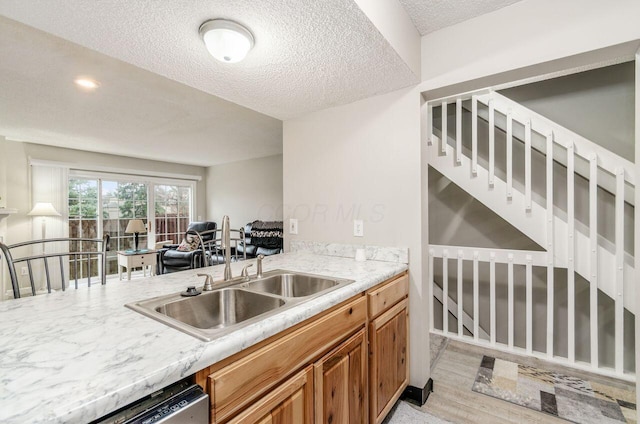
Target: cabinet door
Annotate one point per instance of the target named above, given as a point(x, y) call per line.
point(388, 337)
point(340, 383)
point(240, 384)
point(289, 403)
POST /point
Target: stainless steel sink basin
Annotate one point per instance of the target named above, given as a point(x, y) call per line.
point(237, 303)
point(292, 285)
point(219, 308)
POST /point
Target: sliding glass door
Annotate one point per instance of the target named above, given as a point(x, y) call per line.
point(104, 205)
point(122, 201)
point(83, 223)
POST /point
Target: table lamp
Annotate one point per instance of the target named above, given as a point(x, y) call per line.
point(135, 226)
point(44, 210)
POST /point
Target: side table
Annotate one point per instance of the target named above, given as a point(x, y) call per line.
point(140, 259)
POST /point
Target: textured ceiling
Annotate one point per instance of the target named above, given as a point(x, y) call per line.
point(160, 87)
point(308, 55)
point(432, 15)
point(134, 113)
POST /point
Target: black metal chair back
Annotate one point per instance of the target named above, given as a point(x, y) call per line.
point(90, 249)
point(211, 245)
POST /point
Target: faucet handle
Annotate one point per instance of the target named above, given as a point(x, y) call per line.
point(208, 282)
point(245, 272)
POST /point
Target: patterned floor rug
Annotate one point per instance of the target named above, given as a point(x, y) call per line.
point(569, 398)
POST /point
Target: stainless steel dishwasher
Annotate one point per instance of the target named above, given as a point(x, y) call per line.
point(179, 403)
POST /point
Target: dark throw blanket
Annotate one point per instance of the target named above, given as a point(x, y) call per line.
point(267, 234)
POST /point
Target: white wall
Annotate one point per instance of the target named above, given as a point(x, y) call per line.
point(597, 104)
point(523, 34)
point(362, 161)
point(245, 190)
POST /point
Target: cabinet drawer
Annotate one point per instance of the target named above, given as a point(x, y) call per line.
point(388, 295)
point(242, 382)
point(291, 402)
point(142, 260)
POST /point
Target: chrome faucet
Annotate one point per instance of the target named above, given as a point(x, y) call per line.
point(226, 247)
point(259, 266)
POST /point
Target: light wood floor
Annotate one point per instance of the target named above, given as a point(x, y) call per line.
point(454, 372)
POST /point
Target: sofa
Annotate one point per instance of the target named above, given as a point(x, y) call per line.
point(262, 238)
point(171, 259)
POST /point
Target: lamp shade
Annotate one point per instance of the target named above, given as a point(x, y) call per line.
point(227, 41)
point(135, 226)
point(44, 209)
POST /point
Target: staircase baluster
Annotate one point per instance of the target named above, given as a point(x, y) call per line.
point(571, 320)
point(445, 137)
point(431, 288)
point(550, 246)
point(492, 141)
point(510, 299)
point(476, 297)
point(429, 124)
point(509, 155)
point(474, 135)
point(459, 131)
point(593, 235)
point(527, 165)
point(619, 299)
point(445, 291)
point(492, 295)
point(529, 307)
point(460, 298)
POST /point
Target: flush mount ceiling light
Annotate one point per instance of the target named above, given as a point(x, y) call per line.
point(86, 83)
point(227, 41)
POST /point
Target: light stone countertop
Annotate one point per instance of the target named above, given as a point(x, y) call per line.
point(77, 355)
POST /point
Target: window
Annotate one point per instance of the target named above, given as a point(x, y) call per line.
point(172, 211)
point(166, 204)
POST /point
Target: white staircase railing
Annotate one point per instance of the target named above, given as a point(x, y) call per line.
point(452, 263)
point(568, 243)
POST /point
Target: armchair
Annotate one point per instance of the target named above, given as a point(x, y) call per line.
point(171, 259)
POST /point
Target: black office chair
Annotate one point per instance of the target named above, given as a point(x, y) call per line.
point(171, 259)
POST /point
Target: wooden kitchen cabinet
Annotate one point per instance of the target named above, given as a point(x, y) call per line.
point(347, 365)
point(341, 383)
point(388, 346)
point(289, 403)
point(237, 386)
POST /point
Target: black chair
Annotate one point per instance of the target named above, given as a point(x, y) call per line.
point(171, 259)
point(76, 251)
point(214, 254)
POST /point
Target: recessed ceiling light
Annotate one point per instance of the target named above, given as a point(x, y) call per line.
point(227, 41)
point(86, 83)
